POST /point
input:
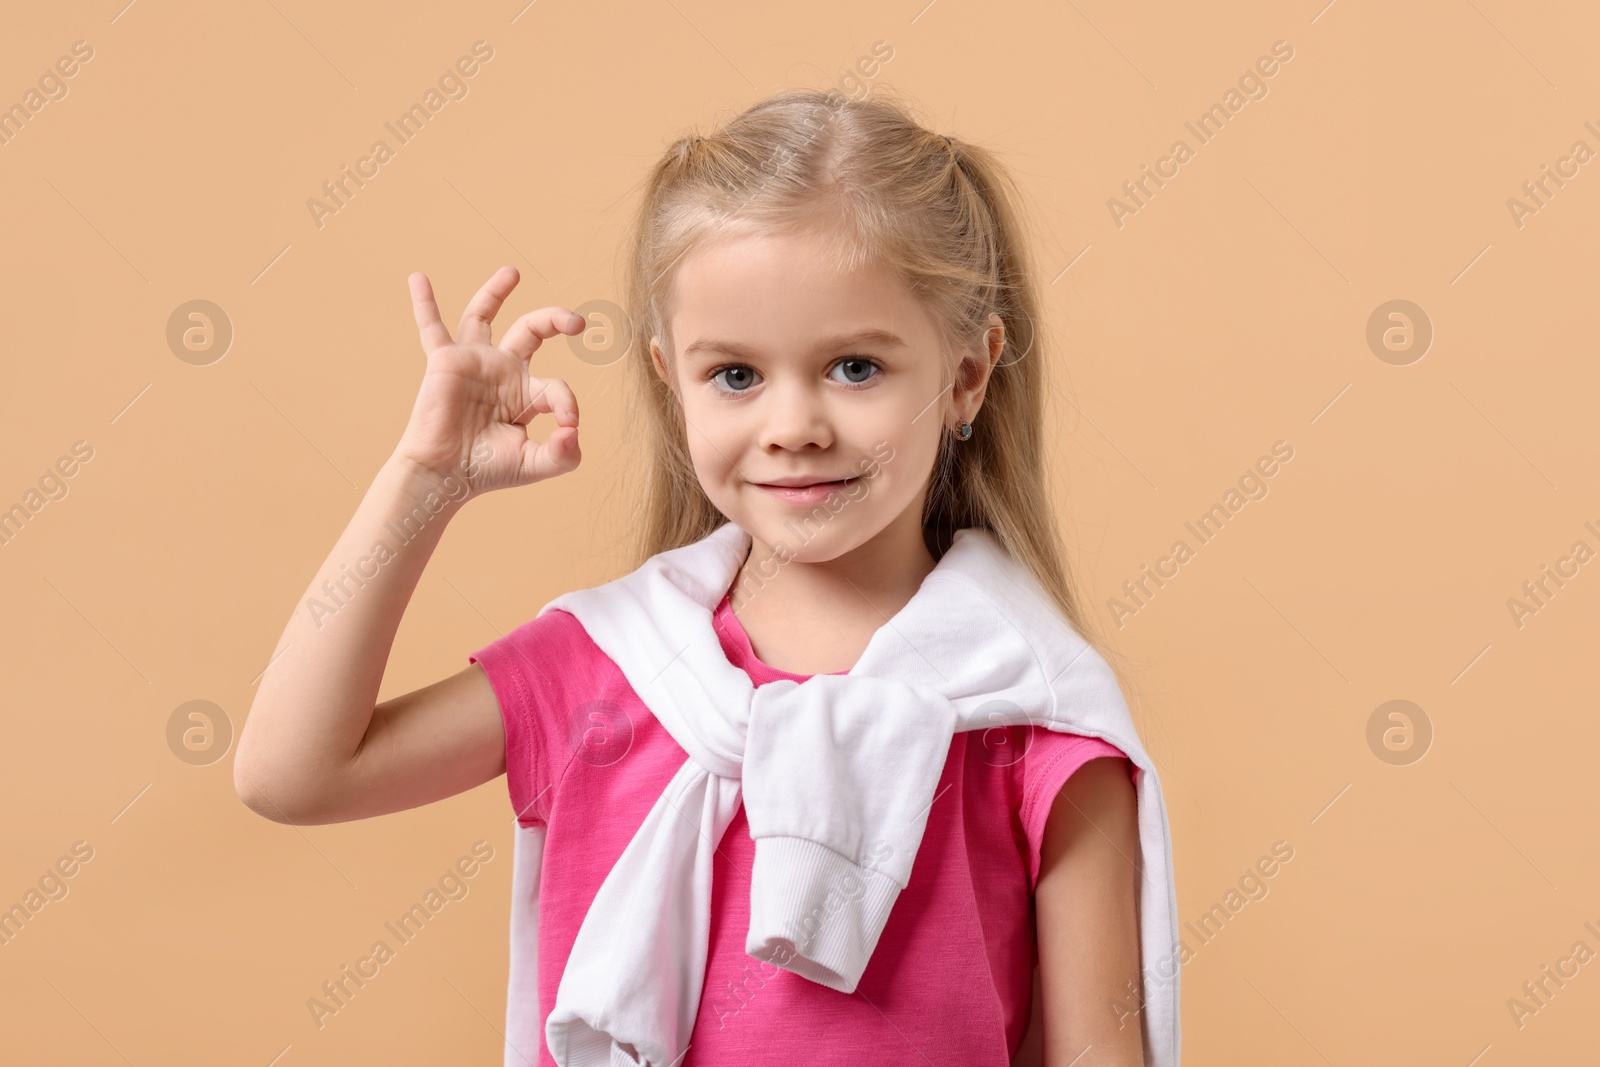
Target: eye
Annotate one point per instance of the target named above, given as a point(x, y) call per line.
point(855, 365)
point(741, 377)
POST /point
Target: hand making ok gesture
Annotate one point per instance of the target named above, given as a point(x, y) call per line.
point(476, 393)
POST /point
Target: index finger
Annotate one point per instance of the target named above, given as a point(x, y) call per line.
point(426, 310)
point(525, 335)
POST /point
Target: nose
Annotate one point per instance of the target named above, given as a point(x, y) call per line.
point(795, 415)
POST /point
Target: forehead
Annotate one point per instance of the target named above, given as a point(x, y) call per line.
point(777, 292)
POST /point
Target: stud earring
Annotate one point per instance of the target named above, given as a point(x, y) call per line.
point(964, 431)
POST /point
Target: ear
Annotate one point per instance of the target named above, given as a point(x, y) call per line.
point(659, 360)
point(972, 373)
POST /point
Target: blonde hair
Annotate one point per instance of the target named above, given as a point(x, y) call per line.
point(939, 213)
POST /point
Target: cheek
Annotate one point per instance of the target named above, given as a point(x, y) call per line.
point(910, 464)
point(713, 440)
point(709, 459)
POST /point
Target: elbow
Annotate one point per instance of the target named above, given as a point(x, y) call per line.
point(266, 795)
point(256, 798)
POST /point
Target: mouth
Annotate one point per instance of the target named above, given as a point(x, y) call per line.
point(805, 494)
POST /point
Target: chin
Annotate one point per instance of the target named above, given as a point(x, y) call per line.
point(804, 539)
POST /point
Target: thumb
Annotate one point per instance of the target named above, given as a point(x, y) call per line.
point(553, 457)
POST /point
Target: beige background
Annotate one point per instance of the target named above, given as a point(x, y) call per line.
point(1227, 314)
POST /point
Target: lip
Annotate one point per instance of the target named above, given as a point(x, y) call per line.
point(814, 493)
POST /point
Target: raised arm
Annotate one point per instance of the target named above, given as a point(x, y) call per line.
point(316, 748)
point(1086, 907)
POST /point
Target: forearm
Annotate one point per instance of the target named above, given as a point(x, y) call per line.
point(316, 699)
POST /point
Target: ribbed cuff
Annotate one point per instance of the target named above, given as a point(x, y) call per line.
point(582, 1045)
point(815, 912)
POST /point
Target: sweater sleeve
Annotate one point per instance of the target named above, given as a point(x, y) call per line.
point(1050, 759)
point(533, 669)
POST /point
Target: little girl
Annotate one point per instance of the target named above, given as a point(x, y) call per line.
point(831, 776)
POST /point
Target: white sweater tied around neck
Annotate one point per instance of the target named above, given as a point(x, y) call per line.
point(837, 775)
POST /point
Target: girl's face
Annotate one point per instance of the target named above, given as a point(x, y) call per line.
point(789, 371)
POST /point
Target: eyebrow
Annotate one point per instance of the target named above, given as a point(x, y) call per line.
point(872, 336)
